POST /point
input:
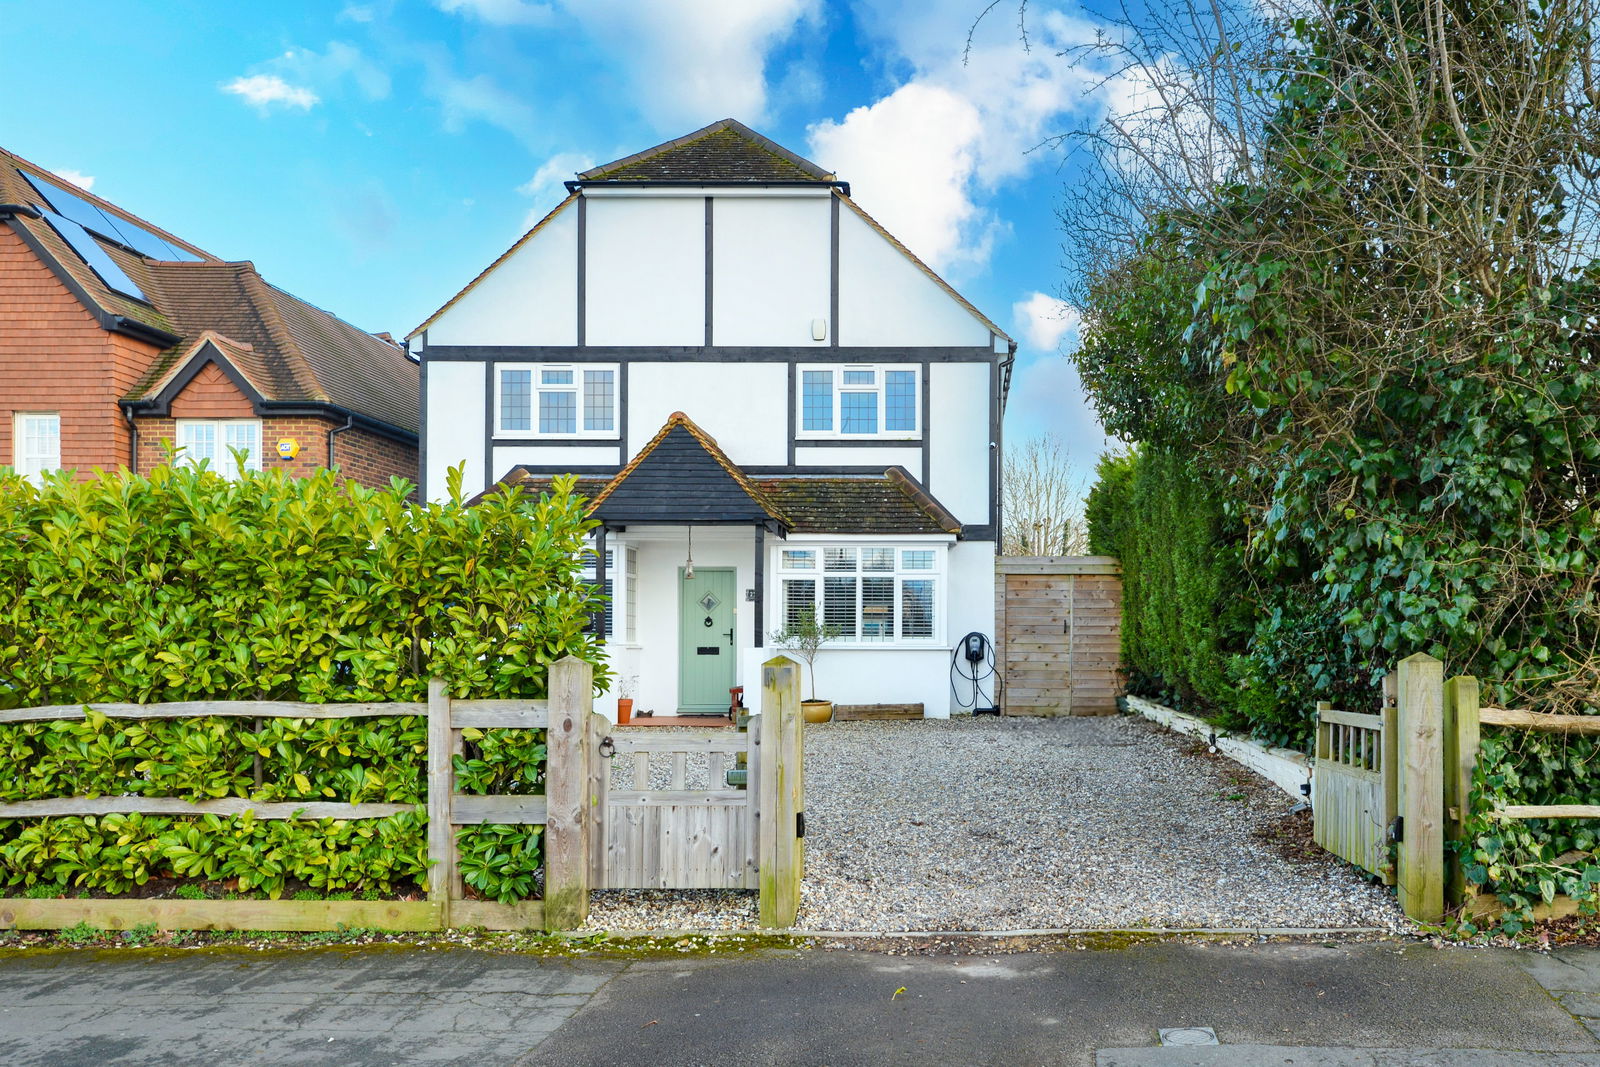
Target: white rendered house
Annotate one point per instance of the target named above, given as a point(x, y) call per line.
point(745, 370)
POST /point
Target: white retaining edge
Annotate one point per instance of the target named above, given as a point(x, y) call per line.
point(1284, 768)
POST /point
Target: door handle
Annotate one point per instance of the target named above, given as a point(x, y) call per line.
point(730, 637)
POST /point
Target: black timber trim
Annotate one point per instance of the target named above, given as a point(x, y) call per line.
point(996, 447)
point(708, 275)
point(794, 403)
point(833, 270)
point(491, 419)
point(714, 354)
point(583, 272)
point(761, 586)
point(927, 409)
point(555, 442)
point(978, 533)
point(870, 442)
point(422, 427)
point(622, 411)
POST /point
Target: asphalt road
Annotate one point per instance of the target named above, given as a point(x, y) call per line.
point(1310, 1005)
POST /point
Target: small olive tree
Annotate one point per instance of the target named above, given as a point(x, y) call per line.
point(803, 636)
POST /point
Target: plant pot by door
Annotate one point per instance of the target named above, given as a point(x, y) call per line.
point(624, 711)
point(816, 710)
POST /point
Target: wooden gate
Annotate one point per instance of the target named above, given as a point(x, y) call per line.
point(1059, 621)
point(665, 816)
point(1354, 786)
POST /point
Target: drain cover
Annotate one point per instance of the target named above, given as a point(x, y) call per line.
point(1188, 1035)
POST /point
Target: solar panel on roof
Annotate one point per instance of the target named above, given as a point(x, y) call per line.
point(122, 231)
point(89, 249)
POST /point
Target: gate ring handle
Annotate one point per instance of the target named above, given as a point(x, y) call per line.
point(608, 748)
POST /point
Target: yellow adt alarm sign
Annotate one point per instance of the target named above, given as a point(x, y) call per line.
point(288, 448)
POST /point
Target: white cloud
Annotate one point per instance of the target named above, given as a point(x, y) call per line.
point(326, 69)
point(498, 12)
point(265, 90)
point(81, 180)
point(1043, 322)
point(545, 188)
point(480, 99)
point(1048, 399)
point(694, 61)
point(924, 158)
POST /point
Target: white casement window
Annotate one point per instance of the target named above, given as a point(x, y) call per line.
point(873, 594)
point(214, 440)
point(845, 401)
point(574, 400)
point(36, 442)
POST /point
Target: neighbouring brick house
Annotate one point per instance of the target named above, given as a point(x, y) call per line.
point(122, 345)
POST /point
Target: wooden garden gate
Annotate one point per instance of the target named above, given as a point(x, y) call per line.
point(666, 817)
point(1059, 626)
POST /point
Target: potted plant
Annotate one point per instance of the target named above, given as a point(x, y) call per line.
point(626, 685)
point(803, 638)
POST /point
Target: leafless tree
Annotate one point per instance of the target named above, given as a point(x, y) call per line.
point(1042, 510)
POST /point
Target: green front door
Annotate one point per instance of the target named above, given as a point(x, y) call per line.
point(706, 653)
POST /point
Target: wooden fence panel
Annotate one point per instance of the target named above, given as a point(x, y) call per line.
point(1058, 623)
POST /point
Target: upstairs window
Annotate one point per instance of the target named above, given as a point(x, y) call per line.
point(214, 440)
point(36, 442)
point(556, 400)
point(852, 401)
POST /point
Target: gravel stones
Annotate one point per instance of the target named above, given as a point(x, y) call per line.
point(1019, 823)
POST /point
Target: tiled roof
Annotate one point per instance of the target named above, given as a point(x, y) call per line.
point(888, 503)
point(724, 151)
point(678, 421)
point(535, 484)
point(292, 351)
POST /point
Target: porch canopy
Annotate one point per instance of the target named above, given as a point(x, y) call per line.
point(683, 478)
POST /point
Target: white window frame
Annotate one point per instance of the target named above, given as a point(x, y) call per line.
point(578, 386)
point(33, 464)
point(620, 612)
point(222, 463)
point(879, 388)
point(784, 570)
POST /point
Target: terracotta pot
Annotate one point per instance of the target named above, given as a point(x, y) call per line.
point(624, 711)
point(816, 710)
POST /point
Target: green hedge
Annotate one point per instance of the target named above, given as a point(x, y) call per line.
point(186, 586)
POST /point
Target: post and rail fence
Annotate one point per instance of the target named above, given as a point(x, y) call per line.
point(575, 811)
point(1404, 777)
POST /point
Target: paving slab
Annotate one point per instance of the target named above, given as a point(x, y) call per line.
point(1299, 1056)
point(329, 1006)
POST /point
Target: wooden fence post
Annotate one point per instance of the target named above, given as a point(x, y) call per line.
point(566, 790)
point(1460, 757)
point(1422, 773)
point(441, 773)
point(782, 799)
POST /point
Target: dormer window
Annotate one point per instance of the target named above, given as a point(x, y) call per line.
point(855, 401)
point(568, 400)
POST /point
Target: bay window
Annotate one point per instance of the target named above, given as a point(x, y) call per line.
point(848, 400)
point(869, 594)
point(556, 400)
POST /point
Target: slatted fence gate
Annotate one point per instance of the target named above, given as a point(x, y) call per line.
point(1353, 788)
point(668, 819)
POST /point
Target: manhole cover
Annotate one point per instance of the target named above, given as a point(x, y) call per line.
point(708, 602)
point(1188, 1035)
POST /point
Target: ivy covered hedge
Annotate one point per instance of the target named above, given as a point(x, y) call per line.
point(185, 586)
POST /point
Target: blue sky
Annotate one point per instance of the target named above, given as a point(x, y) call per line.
point(371, 156)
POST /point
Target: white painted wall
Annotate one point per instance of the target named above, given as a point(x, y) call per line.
point(770, 270)
point(886, 300)
point(742, 405)
point(958, 446)
point(531, 298)
point(455, 425)
point(877, 458)
point(868, 676)
point(645, 271)
point(508, 456)
point(969, 608)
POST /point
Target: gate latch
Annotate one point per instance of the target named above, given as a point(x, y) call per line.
point(799, 824)
point(1397, 829)
point(608, 748)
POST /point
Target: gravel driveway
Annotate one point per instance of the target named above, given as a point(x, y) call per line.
point(1016, 823)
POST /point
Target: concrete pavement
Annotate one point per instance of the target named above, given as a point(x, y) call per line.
point(1354, 1005)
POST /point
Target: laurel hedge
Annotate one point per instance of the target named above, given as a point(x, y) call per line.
point(183, 585)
